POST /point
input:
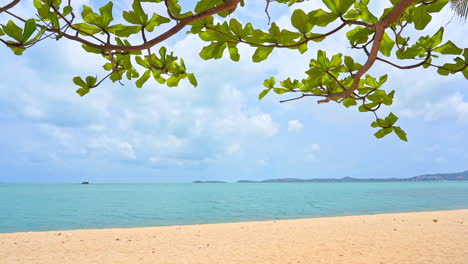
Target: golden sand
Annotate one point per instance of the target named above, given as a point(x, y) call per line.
point(439, 237)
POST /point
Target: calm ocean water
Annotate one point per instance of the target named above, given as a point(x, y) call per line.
point(74, 206)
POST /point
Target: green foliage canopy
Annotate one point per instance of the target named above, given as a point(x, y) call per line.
point(338, 78)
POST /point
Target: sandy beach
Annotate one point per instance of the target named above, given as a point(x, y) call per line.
point(439, 237)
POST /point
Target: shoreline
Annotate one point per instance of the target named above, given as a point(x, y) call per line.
point(438, 237)
point(222, 223)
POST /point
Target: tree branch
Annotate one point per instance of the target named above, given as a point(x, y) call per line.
point(393, 16)
point(227, 5)
point(9, 6)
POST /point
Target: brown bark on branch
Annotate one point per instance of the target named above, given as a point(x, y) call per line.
point(10, 5)
point(227, 5)
point(393, 16)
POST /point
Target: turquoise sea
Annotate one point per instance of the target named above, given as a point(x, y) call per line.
point(40, 207)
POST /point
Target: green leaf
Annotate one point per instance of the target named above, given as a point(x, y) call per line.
point(67, 10)
point(213, 51)
point(383, 132)
point(400, 133)
point(436, 6)
point(12, 30)
point(173, 81)
point(338, 7)
point(139, 83)
point(83, 91)
point(123, 30)
point(106, 14)
point(303, 48)
point(347, 102)
point(420, 17)
point(409, 53)
point(386, 45)
point(37, 4)
point(236, 27)
point(192, 79)
point(43, 11)
point(269, 83)
point(139, 12)
point(263, 93)
point(90, 17)
point(280, 90)
point(91, 49)
point(322, 60)
point(261, 54)
point(359, 35)
point(299, 20)
point(86, 29)
point(449, 48)
point(79, 81)
point(391, 119)
point(155, 21)
point(91, 81)
point(29, 28)
point(437, 38)
point(234, 53)
point(131, 17)
point(321, 18)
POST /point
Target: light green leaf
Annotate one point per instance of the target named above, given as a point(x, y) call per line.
point(448, 48)
point(386, 45)
point(261, 54)
point(421, 17)
point(347, 102)
point(86, 29)
point(12, 30)
point(83, 91)
point(106, 14)
point(269, 83)
point(263, 93)
point(139, 83)
point(234, 53)
point(192, 79)
point(321, 18)
point(400, 133)
point(79, 81)
point(299, 20)
point(29, 28)
point(391, 119)
point(383, 132)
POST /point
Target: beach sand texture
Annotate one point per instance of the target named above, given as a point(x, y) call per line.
point(439, 237)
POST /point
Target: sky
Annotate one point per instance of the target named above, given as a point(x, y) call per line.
point(220, 130)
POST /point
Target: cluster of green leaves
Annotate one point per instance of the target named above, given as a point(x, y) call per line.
point(120, 64)
point(327, 75)
point(164, 64)
point(324, 78)
point(21, 37)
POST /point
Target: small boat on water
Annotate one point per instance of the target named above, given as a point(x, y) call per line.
point(85, 182)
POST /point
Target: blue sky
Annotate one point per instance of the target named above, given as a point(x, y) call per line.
point(219, 130)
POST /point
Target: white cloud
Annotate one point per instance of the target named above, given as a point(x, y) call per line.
point(295, 126)
point(451, 107)
point(105, 146)
point(233, 148)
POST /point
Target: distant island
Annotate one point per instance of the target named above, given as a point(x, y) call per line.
point(460, 176)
